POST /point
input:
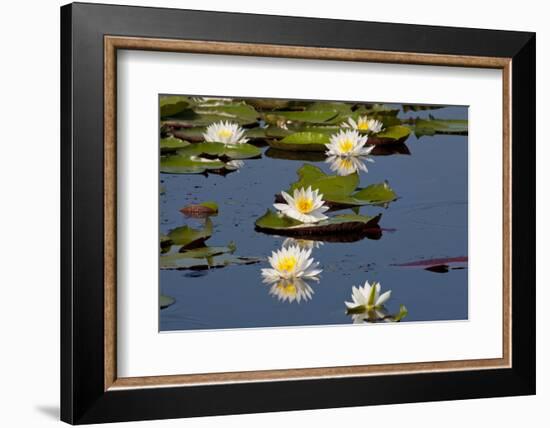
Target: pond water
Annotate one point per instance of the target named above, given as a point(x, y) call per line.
point(429, 220)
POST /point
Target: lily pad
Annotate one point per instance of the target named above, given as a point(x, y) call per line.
point(188, 237)
point(340, 191)
point(171, 105)
point(344, 227)
point(311, 175)
point(374, 194)
point(391, 135)
point(302, 141)
point(171, 144)
point(341, 108)
point(241, 111)
point(319, 116)
point(165, 301)
point(189, 118)
point(181, 164)
point(434, 126)
point(180, 261)
point(413, 107)
point(206, 252)
point(200, 210)
point(298, 156)
point(194, 134)
point(378, 315)
point(220, 150)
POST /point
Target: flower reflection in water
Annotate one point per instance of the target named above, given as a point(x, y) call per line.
point(291, 269)
point(302, 243)
point(367, 305)
point(291, 290)
point(346, 165)
point(234, 165)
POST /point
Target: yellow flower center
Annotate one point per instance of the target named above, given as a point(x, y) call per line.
point(346, 145)
point(304, 205)
point(288, 288)
point(363, 125)
point(225, 133)
point(287, 263)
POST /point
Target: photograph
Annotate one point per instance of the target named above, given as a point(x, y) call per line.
point(288, 212)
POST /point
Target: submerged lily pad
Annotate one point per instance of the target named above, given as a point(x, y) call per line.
point(435, 126)
point(165, 301)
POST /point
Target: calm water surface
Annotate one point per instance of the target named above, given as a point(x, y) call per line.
point(428, 221)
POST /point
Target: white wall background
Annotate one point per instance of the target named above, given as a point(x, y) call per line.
point(29, 226)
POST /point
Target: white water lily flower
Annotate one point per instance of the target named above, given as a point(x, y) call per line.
point(225, 132)
point(302, 243)
point(364, 124)
point(291, 290)
point(346, 165)
point(348, 143)
point(368, 298)
point(305, 205)
point(291, 263)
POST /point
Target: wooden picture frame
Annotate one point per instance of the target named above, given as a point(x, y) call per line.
point(91, 390)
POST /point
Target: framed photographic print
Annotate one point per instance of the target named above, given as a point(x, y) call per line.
point(265, 213)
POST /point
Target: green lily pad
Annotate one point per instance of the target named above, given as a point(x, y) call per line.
point(220, 150)
point(320, 116)
point(188, 237)
point(276, 132)
point(329, 185)
point(434, 126)
point(375, 194)
point(358, 226)
point(206, 252)
point(340, 191)
point(171, 144)
point(267, 103)
point(171, 105)
point(391, 135)
point(194, 134)
point(182, 164)
point(302, 141)
point(180, 261)
point(413, 107)
point(341, 108)
point(165, 301)
point(241, 111)
point(189, 118)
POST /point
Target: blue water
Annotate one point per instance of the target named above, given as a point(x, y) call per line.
point(428, 221)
